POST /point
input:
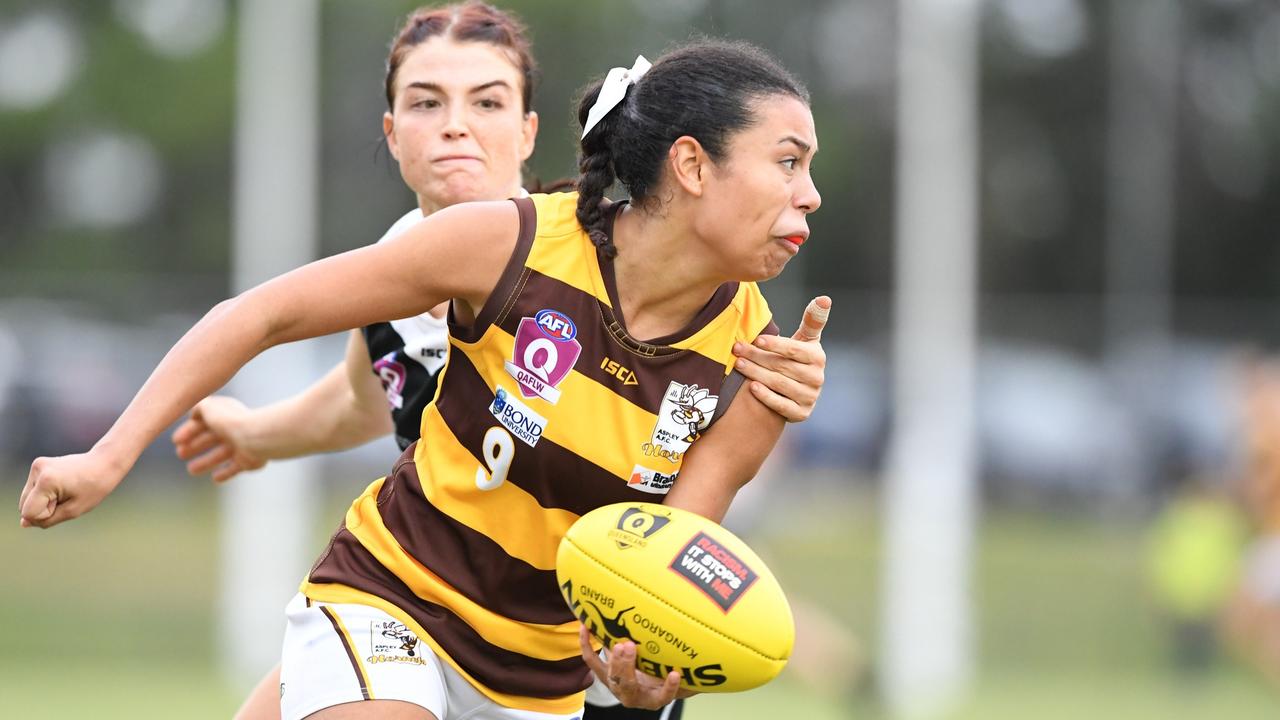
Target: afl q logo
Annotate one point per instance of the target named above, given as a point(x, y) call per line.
point(543, 354)
point(635, 525)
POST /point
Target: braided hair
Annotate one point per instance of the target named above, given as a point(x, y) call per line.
point(704, 89)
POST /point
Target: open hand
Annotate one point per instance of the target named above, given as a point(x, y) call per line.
point(786, 374)
point(212, 441)
point(634, 688)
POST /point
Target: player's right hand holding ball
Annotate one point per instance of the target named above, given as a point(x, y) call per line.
point(632, 687)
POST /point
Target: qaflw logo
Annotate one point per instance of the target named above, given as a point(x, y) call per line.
point(545, 351)
point(392, 375)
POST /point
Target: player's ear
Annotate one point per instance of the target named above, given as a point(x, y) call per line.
point(388, 132)
point(528, 134)
point(688, 161)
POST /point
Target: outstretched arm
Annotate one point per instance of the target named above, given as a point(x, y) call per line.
point(456, 253)
point(343, 409)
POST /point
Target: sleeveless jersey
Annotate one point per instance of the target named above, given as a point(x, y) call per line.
point(546, 410)
point(407, 356)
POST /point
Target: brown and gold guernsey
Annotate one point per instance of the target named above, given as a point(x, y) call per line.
point(547, 409)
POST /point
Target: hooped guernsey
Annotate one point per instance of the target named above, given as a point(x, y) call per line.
point(546, 410)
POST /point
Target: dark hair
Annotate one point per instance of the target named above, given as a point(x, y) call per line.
point(471, 21)
point(703, 89)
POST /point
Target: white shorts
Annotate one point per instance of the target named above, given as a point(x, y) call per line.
point(337, 653)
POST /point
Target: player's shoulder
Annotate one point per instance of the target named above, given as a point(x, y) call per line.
point(749, 293)
point(557, 213)
point(753, 313)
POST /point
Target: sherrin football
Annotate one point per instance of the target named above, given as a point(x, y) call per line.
point(691, 595)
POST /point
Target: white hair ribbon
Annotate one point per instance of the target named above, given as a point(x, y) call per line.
point(614, 90)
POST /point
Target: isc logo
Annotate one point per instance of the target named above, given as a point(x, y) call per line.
point(614, 368)
point(556, 325)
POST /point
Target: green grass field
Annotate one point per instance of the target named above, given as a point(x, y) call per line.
point(108, 617)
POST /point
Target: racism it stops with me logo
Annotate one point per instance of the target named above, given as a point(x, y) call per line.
point(713, 569)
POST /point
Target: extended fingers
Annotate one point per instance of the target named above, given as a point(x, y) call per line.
point(186, 431)
point(634, 688)
point(804, 352)
point(670, 688)
point(195, 444)
point(814, 319)
point(226, 471)
point(799, 381)
point(210, 460)
point(589, 656)
point(780, 374)
point(620, 675)
point(622, 672)
point(789, 409)
point(801, 392)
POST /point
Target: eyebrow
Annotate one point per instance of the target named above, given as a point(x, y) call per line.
point(421, 85)
point(804, 146)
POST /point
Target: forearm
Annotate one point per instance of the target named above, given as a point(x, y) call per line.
point(350, 290)
point(206, 357)
point(330, 415)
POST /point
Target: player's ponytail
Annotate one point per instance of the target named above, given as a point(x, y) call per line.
point(595, 165)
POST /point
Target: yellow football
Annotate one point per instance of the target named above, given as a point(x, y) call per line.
point(691, 595)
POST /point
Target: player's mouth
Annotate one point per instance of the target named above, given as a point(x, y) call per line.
point(456, 159)
point(796, 239)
